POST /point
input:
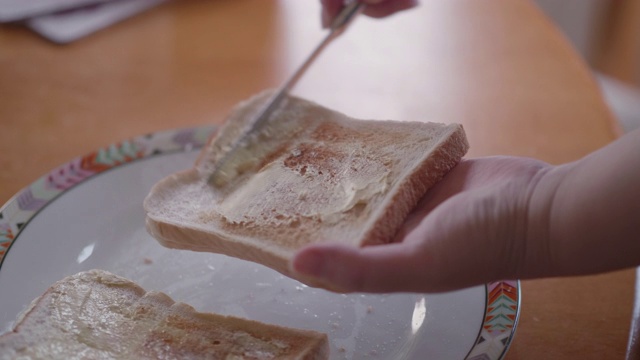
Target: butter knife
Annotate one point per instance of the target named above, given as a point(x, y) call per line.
point(225, 168)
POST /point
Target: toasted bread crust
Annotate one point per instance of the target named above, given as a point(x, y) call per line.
point(411, 189)
point(99, 315)
point(166, 233)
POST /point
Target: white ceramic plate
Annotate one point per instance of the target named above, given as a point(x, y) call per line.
point(88, 214)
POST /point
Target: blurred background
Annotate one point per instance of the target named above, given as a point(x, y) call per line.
point(607, 35)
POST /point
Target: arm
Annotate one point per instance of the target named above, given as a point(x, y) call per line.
point(592, 210)
point(502, 218)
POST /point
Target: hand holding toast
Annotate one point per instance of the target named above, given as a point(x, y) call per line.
point(502, 218)
point(467, 230)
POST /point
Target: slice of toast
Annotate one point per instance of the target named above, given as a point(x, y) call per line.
point(317, 176)
point(98, 315)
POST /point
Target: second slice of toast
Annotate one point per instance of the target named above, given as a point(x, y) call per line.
point(98, 315)
point(320, 177)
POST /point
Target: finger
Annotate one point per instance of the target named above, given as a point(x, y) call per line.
point(382, 8)
point(374, 269)
point(374, 8)
point(330, 9)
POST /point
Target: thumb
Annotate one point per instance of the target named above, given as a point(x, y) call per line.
point(374, 269)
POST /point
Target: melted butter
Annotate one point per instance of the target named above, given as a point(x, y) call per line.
point(323, 190)
point(308, 166)
point(236, 152)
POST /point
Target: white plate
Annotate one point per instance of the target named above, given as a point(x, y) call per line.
point(88, 214)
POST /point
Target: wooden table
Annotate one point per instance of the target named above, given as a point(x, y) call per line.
point(496, 66)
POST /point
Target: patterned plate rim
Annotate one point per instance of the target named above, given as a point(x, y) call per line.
point(502, 302)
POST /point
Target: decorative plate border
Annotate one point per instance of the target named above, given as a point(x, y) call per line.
point(502, 308)
point(20, 209)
